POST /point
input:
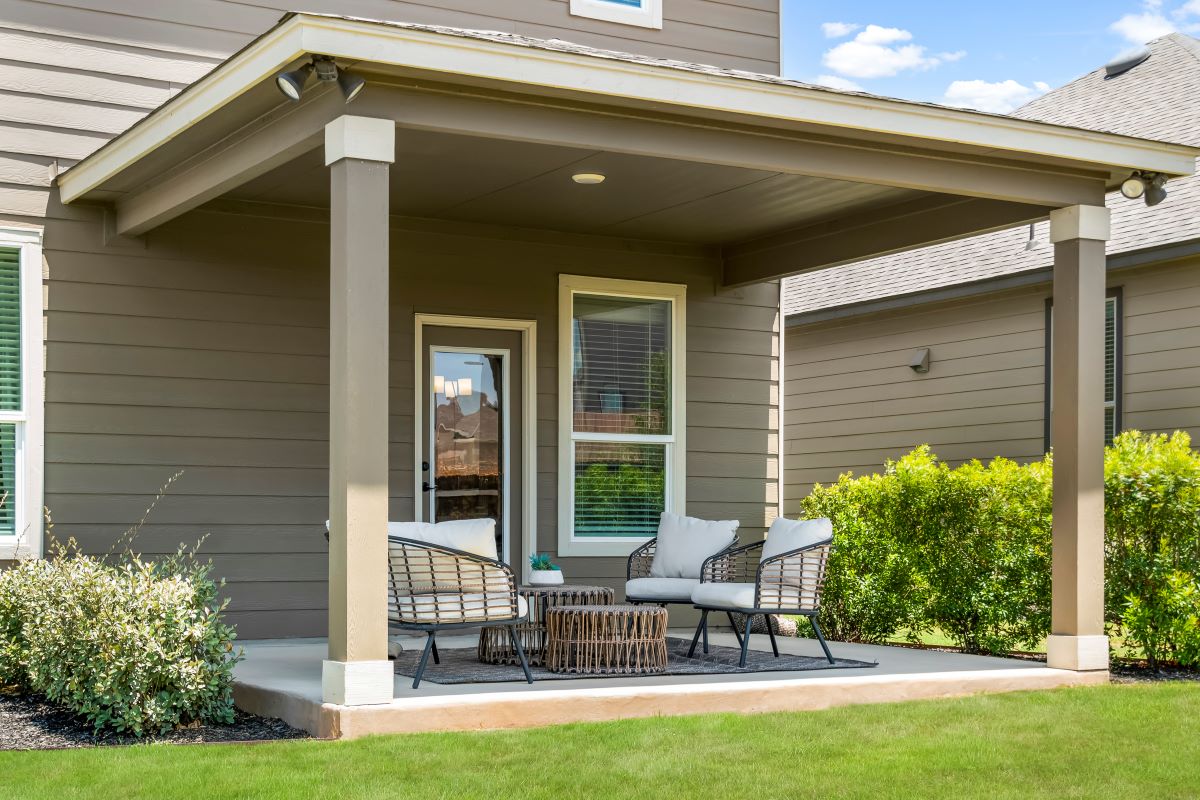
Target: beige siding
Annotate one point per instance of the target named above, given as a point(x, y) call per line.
point(206, 351)
point(78, 72)
point(851, 401)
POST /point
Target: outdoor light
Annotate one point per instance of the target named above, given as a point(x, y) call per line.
point(1133, 187)
point(1156, 192)
point(588, 178)
point(350, 85)
point(1034, 243)
point(292, 83)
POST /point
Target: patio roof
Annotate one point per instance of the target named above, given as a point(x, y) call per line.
point(773, 172)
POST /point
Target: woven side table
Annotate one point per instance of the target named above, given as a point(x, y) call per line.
point(606, 640)
point(496, 648)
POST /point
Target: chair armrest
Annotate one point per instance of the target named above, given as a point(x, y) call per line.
point(793, 580)
point(735, 564)
point(431, 584)
point(640, 560)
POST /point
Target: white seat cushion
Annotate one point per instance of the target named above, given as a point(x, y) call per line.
point(449, 607)
point(685, 542)
point(674, 590)
point(724, 595)
point(475, 536)
point(786, 535)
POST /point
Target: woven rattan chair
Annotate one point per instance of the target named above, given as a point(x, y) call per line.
point(432, 588)
point(742, 581)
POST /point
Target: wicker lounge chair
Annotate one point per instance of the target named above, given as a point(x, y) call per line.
point(781, 575)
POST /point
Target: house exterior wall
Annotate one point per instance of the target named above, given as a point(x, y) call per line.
point(205, 350)
point(851, 401)
point(81, 71)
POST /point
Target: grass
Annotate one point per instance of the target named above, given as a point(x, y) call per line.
point(1108, 741)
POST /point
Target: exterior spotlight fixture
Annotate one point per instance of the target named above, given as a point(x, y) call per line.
point(919, 363)
point(350, 85)
point(292, 83)
point(1133, 187)
point(1034, 243)
point(1156, 192)
point(588, 178)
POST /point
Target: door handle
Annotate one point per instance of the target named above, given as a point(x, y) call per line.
point(425, 487)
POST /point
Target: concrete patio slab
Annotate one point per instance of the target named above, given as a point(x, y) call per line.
point(282, 678)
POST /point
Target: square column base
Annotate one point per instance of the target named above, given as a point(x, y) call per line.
point(357, 683)
point(1077, 653)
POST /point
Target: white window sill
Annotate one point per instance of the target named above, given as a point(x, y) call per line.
point(11, 551)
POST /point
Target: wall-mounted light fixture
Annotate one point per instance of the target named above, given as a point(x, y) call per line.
point(1150, 186)
point(291, 83)
point(919, 363)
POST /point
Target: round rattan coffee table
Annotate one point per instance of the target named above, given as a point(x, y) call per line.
point(496, 648)
point(606, 639)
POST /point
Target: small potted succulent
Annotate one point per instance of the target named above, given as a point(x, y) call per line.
point(543, 572)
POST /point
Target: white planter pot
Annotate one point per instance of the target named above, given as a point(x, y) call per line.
point(545, 577)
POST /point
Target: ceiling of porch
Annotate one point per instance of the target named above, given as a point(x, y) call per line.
point(472, 179)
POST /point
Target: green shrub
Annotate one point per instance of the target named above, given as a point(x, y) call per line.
point(135, 648)
point(925, 546)
point(1152, 541)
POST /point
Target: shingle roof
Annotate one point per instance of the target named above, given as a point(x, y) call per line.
point(1157, 99)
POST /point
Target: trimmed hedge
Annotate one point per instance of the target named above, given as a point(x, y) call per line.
point(134, 648)
point(966, 550)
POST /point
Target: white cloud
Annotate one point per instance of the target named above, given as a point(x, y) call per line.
point(878, 52)
point(834, 82)
point(836, 30)
point(959, 55)
point(1189, 9)
point(999, 97)
point(1141, 28)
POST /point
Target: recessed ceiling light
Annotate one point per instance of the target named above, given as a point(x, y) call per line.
point(588, 178)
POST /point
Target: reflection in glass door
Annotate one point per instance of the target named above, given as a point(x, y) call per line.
point(467, 437)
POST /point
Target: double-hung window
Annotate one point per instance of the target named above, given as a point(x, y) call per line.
point(643, 13)
point(20, 393)
point(621, 418)
point(1112, 366)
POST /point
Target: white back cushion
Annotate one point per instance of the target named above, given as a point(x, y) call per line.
point(684, 543)
point(475, 536)
point(793, 534)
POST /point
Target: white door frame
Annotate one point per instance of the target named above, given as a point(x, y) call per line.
point(427, 509)
point(528, 330)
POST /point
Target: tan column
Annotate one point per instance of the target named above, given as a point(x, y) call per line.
point(358, 151)
point(1077, 640)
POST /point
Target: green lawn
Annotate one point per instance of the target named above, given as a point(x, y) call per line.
point(1110, 741)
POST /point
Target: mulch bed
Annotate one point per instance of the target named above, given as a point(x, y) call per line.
point(1140, 672)
point(32, 723)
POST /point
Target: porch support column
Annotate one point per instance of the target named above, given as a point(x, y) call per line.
point(357, 152)
point(1077, 640)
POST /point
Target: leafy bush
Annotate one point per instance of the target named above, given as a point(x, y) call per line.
point(967, 550)
point(1152, 543)
point(135, 648)
point(925, 546)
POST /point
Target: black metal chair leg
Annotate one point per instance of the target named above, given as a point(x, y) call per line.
point(706, 636)
point(821, 638)
point(746, 641)
point(699, 630)
point(736, 633)
point(424, 660)
point(436, 658)
point(771, 633)
point(516, 642)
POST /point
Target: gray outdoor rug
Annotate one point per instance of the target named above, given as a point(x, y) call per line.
point(460, 665)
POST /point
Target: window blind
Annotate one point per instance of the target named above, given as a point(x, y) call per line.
point(619, 488)
point(10, 329)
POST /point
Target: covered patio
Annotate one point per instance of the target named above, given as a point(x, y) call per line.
point(455, 193)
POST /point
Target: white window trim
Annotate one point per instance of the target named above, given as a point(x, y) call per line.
point(676, 459)
point(30, 442)
point(647, 15)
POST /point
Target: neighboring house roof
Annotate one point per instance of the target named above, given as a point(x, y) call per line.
point(1156, 99)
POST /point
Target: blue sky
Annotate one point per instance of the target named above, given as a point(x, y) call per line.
point(978, 55)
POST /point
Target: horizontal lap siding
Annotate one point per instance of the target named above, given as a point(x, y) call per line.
point(851, 401)
point(1162, 348)
point(206, 351)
